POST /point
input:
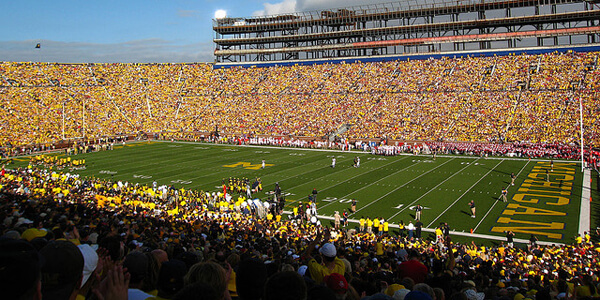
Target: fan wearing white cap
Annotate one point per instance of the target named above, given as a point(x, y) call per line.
point(90, 262)
point(330, 263)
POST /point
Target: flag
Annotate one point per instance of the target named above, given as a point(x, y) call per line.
point(38, 46)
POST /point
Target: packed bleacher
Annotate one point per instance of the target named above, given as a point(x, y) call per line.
point(65, 237)
point(517, 98)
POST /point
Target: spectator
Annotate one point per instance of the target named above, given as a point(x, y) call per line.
point(19, 270)
point(338, 284)
point(90, 262)
point(285, 286)
point(413, 268)
point(198, 291)
point(211, 273)
point(137, 266)
point(458, 101)
point(62, 271)
point(170, 278)
point(250, 280)
point(331, 264)
point(209, 235)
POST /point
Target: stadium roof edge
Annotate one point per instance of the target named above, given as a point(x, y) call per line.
point(414, 56)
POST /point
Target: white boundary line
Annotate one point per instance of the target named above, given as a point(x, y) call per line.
point(311, 149)
point(585, 208)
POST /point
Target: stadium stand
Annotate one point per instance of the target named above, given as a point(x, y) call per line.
point(504, 99)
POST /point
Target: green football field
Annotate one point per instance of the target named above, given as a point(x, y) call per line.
point(547, 205)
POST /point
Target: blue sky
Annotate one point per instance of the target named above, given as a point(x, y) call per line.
point(82, 31)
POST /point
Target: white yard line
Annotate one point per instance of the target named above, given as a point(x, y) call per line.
point(368, 184)
point(432, 189)
point(376, 200)
point(320, 178)
point(495, 202)
point(474, 184)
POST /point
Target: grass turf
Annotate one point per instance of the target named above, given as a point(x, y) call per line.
point(385, 186)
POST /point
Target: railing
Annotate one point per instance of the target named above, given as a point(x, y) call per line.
point(410, 8)
point(419, 41)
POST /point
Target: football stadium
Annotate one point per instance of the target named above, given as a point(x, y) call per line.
point(405, 150)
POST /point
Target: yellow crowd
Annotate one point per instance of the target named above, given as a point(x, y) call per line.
point(524, 98)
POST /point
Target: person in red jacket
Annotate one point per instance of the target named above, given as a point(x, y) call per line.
point(413, 268)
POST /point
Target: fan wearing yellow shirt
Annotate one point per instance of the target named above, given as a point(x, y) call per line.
point(361, 224)
point(401, 228)
point(588, 237)
point(578, 239)
point(331, 264)
point(439, 235)
point(386, 227)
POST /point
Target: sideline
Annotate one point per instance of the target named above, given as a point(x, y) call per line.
point(586, 198)
point(150, 141)
point(62, 150)
point(452, 232)
point(367, 152)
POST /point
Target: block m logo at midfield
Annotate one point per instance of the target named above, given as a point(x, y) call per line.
point(247, 165)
